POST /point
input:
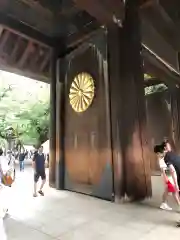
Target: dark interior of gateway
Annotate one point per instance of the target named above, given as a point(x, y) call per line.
point(37, 35)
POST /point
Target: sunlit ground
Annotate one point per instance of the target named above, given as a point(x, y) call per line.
point(62, 215)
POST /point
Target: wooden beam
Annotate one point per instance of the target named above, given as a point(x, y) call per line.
point(156, 15)
point(155, 42)
point(156, 68)
point(15, 49)
point(67, 11)
point(38, 7)
point(24, 30)
point(25, 55)
point(94, 8)
point(145, 3)
point(4, 39)
point(35, 18)
point(75, 39)
point(35, 57)
point(115, 6)
point(45, 61)
point(26, 72)
point(98, 10)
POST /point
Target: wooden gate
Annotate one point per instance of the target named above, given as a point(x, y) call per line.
point(87, 146)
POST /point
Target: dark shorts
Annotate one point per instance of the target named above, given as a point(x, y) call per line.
point(37, 175)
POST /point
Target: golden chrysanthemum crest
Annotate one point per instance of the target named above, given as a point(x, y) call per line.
point(82, 92)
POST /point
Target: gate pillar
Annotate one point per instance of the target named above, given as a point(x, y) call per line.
point(133, 125)
point(131, 155)
point(52, 138)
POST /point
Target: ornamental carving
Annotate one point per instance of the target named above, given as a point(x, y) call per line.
point(81, 92)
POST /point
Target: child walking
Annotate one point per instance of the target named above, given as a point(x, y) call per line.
point(170, 179)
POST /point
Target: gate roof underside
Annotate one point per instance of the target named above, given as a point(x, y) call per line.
point(29, 28)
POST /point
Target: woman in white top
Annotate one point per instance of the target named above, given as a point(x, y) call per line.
point(170, 179)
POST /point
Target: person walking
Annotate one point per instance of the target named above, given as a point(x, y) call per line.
point(11, 164)
point(170, 179)
point(172, 161)
point(38, 163)
point(22, 157)
point(170, 158)
point(3, 200)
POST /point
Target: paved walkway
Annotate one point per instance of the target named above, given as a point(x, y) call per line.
point(70, 216)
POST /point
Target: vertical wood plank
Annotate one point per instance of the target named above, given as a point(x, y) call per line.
point(114, 42)
point(52, 165)
point(60, 125)
point(133, 123)
point(175, 111)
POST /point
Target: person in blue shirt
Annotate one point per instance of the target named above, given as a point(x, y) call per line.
point(22, 157)
point(39, 170)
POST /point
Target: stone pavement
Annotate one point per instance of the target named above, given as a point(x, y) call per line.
point(71, 216)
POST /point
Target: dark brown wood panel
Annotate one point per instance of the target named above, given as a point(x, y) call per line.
point(114, 45)
point(88, 157)
point(135, 151)
point(52, 162)
point(175, 116)
point(158, 109)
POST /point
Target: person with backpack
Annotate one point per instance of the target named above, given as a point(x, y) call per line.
point(38, 163)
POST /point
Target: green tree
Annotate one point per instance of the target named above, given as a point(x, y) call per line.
point(4, 92)
point(37, 122)
point(24, 105)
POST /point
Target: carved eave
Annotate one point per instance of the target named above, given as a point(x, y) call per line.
point(24, 56)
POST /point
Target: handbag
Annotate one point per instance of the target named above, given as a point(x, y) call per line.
point(7, 180)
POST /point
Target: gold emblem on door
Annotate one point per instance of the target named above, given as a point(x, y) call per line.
point(81, 92)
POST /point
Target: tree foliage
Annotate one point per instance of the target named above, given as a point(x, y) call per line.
point(36, 122)
point(155, 89)
point(24, 105)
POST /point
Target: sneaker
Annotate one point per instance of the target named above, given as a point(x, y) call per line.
point(41, 192)
point(164, 206)
point(35, 195)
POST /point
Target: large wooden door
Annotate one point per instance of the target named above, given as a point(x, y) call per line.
point(87, 153)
